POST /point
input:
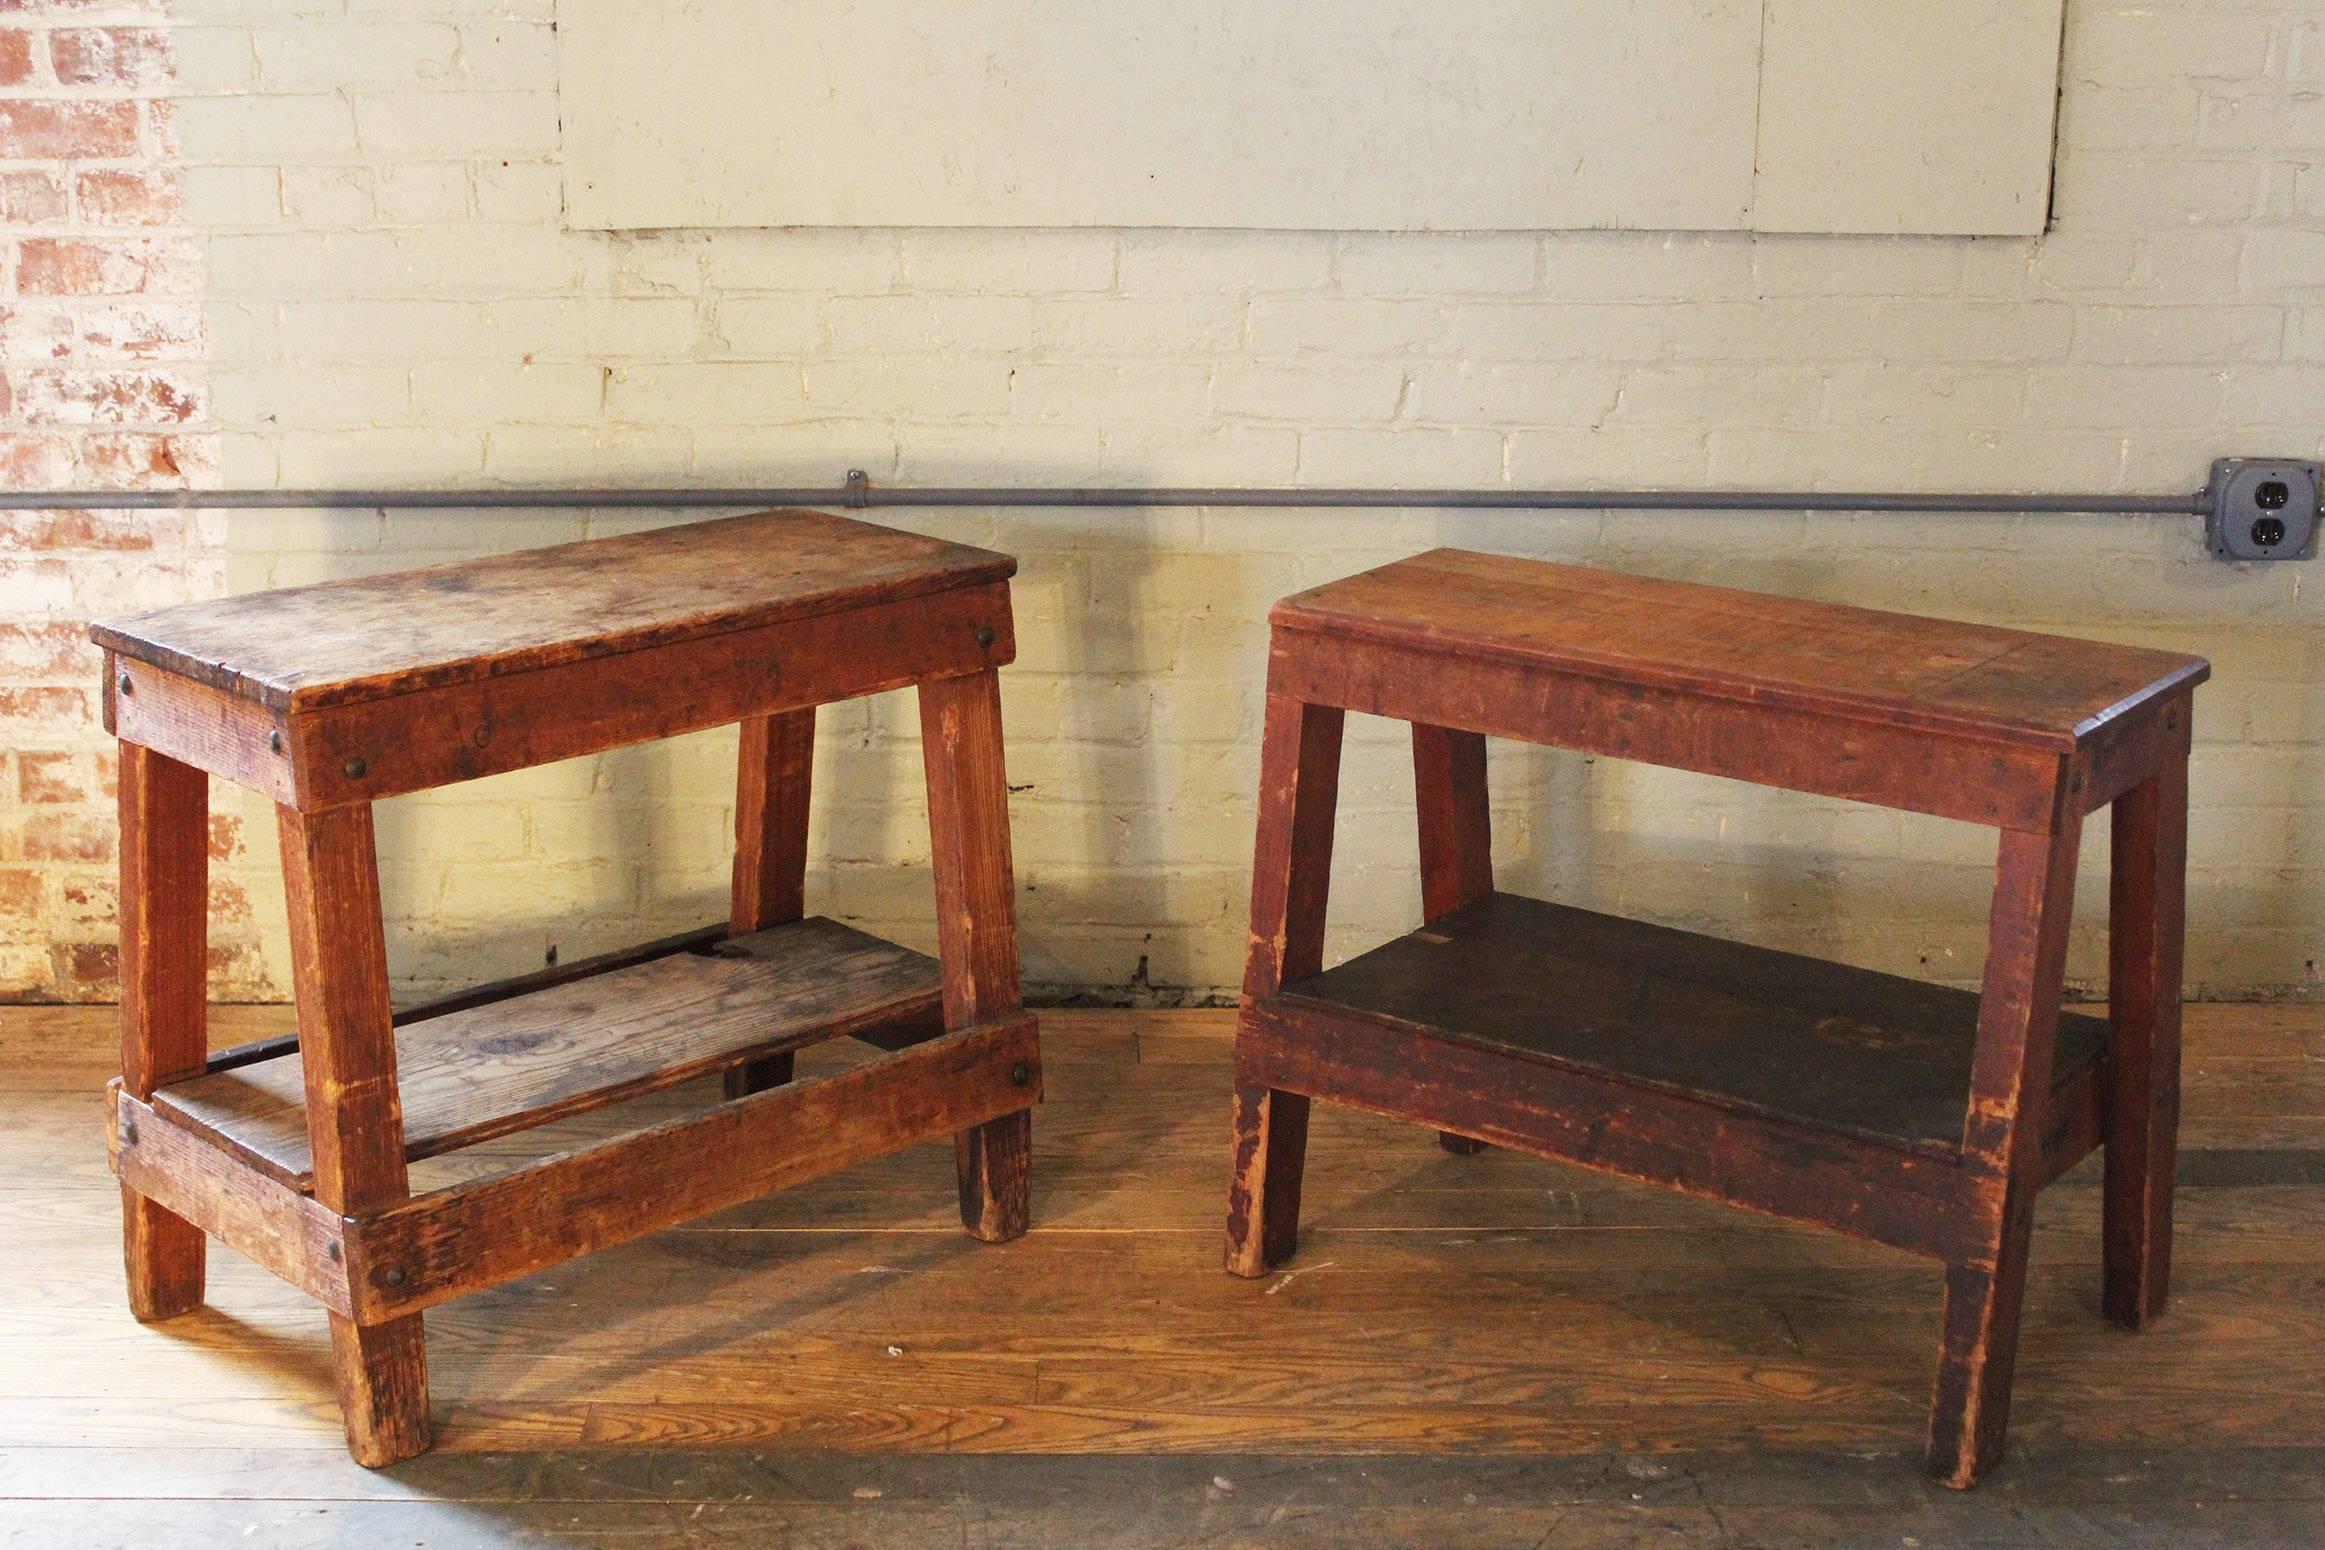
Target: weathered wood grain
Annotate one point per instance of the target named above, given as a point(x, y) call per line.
point(165, 862)
point(2002, 1138)
point(976, 924)
point(451, 1242)
point(369, 749)
point(1291, 883)
point(192, 722)
point(261, 1218)
point(468, 1075)
point(371, 637)
point(354, 1119)
point(1830, 659)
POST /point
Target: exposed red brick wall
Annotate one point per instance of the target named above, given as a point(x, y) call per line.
point(102, 386)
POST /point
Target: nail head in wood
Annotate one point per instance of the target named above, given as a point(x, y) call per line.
point(394, 1276)
point(123, 684)
point(984, 635)
point(129, 1132)
point(1020, 1074)
point(336, 1252)
point(355, 768)
point(274, 742)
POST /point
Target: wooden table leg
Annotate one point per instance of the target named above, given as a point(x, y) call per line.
point(773, 777)
point(355, 1119)
point(1456, 839)
point(165, 851)
point(2146, 917)
point(2026, 952)
point(1291, 878)
point(976, 915)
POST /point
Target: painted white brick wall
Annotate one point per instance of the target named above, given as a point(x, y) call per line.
point(393, 299)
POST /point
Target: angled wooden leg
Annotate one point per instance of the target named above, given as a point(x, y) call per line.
point(2010, 1075)
point(1456, 839)
point(165, 850)
point(772, 781)
point(1291, 875)
point(355, 1117)
point(976, 924)
point(2147, 906)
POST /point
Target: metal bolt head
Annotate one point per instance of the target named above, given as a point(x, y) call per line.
point(355, 768)
point(274, 742)
point(129, 1132)
point(984, 635)
point(124, 685)
point(1020, 1075)
point(335, 1251)
point(394, 1276)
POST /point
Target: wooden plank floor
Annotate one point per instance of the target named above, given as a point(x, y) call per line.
point(1467, 1351)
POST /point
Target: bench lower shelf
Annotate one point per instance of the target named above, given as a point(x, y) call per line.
point(485, 1071)
point(1788, 1084)
point(228, 1150)
point(414, 1253)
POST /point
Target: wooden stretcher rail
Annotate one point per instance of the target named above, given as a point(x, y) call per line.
point(430, 737)
point(285, 1230)
point(451, 1242)
point(1894, 1196)
point(1950, 776)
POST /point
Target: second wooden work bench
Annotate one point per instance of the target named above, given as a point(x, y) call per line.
point(1918, 1116)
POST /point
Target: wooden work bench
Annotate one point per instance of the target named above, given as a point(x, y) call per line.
point(1913, 1115)
point(328, 698)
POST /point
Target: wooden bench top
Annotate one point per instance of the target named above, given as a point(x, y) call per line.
point(2010, 686)
point(339, 642)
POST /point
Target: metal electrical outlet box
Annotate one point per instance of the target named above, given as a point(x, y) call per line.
point(2263, 508)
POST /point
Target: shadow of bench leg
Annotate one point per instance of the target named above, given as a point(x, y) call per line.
point(976, 915)
point(2010, 1074)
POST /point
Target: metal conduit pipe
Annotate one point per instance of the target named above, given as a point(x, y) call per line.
point(858, 493)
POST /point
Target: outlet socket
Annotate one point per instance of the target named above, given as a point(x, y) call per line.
point(2262, 508)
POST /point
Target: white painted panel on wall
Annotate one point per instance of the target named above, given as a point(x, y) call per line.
point(1930, 116)
point(1367, 115)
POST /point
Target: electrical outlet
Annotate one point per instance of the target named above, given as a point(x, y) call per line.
point(2263, 508)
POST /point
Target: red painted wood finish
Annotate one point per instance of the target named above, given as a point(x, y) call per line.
point(1506, 1022)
